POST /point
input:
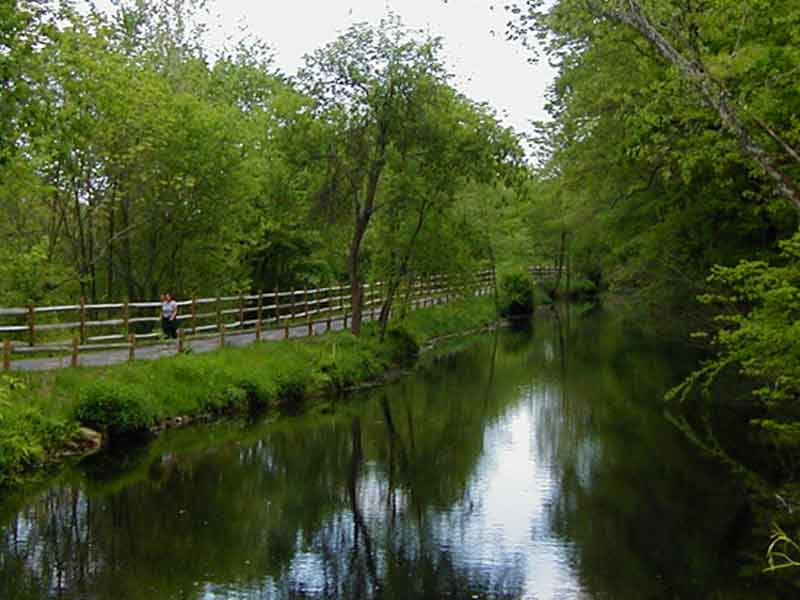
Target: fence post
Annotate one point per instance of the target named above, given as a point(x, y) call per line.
point(308, 313)
point(241, 312)
point(126, 317)
point(342, 309)
point(220, 324)
point(83, 320)
point(76, 346)
point(277, 304)
point(194, 314)
point(288, 322)
point(260, 315)
point(7, 355)
point(180, 341)
point(346, 300)
point(31, 325)
point(131, 347)
point(330, 309)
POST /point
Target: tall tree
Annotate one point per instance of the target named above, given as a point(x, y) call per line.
point(371, 84)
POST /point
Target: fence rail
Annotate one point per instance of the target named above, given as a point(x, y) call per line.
point(72, 330)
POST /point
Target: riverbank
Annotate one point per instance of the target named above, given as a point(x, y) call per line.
point(42, 415)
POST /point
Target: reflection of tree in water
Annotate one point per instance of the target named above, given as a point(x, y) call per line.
point(390, 549)
point(345, 507)
point(631, 498)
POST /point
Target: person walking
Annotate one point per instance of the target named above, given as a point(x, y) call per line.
point(169, 316)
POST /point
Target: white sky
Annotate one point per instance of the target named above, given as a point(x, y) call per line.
point(487, 67)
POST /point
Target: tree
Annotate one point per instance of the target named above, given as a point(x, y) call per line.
point(457, 144)
point(371, 85)
point(686, 37)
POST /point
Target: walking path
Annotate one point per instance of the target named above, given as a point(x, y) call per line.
point(154, 352)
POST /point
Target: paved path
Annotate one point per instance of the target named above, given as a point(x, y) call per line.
point(154, 352)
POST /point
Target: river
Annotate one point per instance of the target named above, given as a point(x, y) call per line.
point(528, 464)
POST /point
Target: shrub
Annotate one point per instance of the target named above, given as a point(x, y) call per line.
point(257, 384)
point(232, 397)
point(117, 408)
point(292, 386)
point(24, 432)
point(581, 287)
point(402, 346)
point(349, 360)
point(516, 293)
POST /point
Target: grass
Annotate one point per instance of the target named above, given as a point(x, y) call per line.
point(39, 413)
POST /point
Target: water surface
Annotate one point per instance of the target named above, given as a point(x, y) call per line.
point(531, 464)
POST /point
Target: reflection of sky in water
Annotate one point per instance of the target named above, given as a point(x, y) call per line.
point(515, 483)
point(502, 526)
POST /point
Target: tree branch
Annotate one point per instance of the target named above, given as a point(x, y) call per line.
point(713, 94)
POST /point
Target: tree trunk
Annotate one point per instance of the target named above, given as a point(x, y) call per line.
point(402, 270)
point(110, 257)
point(362, 222)
point(127, 251)
point(91, 247)
point(354, 272)
point(386, 307)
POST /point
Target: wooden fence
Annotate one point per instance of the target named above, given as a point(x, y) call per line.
point(69, 331)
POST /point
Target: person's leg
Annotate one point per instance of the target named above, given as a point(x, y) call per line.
point(165, 326)
point(173, 329)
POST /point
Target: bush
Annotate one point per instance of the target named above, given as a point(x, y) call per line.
point(231, 398)
point(582, 288)
point(350, 360)
point(116, 408)
point(516, 294)
point(402, 345)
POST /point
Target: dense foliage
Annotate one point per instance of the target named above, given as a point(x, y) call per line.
point(642, 184)
point(670, 172)
point(516, 294)
point(133, 161)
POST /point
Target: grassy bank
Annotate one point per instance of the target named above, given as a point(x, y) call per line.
point(40, 414)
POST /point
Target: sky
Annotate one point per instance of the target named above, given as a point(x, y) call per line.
point(486, 66)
